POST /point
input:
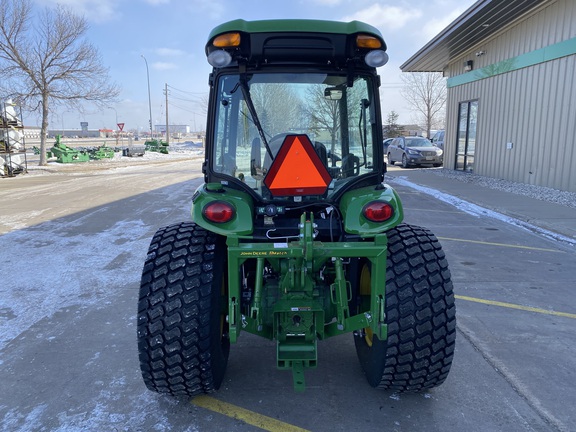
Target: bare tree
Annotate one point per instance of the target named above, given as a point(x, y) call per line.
point(275, 117)
point(425, 92)
point(324, 114)
point(48, 62)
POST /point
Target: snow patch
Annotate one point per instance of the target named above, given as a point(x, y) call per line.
point(478, 211)
point(49, 272)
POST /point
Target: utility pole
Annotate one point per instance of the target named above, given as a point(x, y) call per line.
point(167, 129)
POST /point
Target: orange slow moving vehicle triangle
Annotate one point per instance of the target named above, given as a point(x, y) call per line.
point(297, 169)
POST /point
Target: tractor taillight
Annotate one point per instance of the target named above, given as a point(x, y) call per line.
point(219, 212)
point(378, 211)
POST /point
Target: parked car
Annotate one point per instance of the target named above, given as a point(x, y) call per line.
point(438, 139)
point(414, 151)
point(386, 143)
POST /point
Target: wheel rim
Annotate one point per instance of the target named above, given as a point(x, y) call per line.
point(404, 161)
point(365, 292)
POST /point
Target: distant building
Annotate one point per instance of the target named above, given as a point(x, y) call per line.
point(82, 133)
point(173, 129)
point(412, 130)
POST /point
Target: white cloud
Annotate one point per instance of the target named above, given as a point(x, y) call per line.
point(325, 2)
point(433, 27)
point(169, 52)
point(164, 66)
point(92, 10)
point(386, 17)
point(214, 9)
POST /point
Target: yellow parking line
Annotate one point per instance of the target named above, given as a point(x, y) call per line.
point(249, 417)
point(500, 244)
point(515, 306)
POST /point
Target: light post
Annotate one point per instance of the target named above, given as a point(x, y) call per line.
point(149, 99)
point(62, 118)
point(116, 112)
point(116, 122)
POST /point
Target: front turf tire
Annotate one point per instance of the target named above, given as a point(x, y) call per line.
point(183, 344)
point(420, 314)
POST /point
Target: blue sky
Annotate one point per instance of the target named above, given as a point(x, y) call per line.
point(171, 34)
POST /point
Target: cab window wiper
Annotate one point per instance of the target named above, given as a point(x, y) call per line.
point(246, 93)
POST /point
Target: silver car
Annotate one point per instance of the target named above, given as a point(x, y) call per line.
point(414, 151)
point(438, 139)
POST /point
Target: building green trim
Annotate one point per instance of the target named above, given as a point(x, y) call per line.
point(542, 55)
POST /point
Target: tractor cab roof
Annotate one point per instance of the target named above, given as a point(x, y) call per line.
point(334, 43)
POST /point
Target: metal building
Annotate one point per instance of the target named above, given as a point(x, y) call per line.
point(511, 110)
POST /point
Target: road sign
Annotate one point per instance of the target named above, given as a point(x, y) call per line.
point(120, 126)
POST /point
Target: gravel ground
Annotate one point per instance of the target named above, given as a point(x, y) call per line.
point(541, 193)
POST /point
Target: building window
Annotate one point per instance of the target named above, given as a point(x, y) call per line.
point(467, 120)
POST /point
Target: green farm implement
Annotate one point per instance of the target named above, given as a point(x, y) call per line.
point(102, 152)
point(295, 236)
point(65, 154)
point(157, 146)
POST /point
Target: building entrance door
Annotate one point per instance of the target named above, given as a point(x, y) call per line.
point(467, 120)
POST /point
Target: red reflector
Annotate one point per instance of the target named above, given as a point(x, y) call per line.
point(219, 212)
point(297, 169)
point(378, 211)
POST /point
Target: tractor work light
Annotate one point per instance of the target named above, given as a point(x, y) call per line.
point(219, 58)
point(378, 211)
point(376, 58)
point(219, 212)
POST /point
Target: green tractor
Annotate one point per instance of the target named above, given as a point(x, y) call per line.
point(294, 236)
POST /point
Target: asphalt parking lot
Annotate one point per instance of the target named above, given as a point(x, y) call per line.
point(73, 245)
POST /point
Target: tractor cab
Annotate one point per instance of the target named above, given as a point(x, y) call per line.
point(294, 110)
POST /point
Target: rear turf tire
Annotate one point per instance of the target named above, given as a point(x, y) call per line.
point(420, 314)
point(182, 334)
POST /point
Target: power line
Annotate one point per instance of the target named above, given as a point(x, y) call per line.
point(181, 107)
point(187, 92)
point(185, 100)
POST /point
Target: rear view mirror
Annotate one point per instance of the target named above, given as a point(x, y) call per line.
point(333, 93)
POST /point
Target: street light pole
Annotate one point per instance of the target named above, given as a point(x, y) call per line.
point(149, 99)
point(116, 122)
point(116, 114)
